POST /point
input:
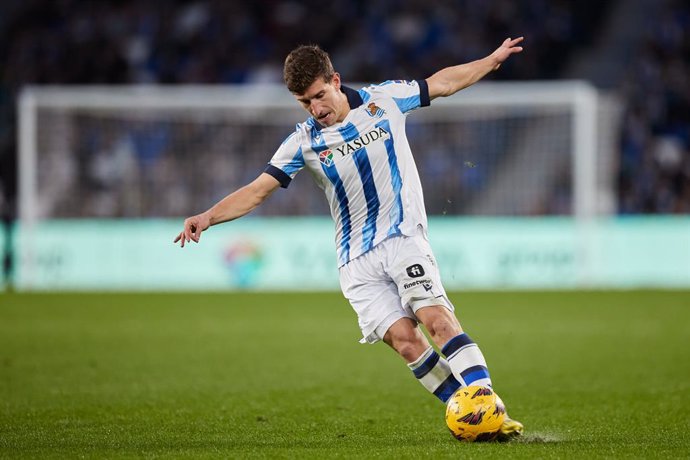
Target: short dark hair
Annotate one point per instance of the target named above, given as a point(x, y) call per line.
point(304, 65)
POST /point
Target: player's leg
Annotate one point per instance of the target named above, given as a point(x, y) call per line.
point(415, 272)
point(404, 337)
point(432, 371)
point(463, 355)
point(381, 316)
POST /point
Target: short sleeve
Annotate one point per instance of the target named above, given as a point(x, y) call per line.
point(287, 161)
point(407, 94)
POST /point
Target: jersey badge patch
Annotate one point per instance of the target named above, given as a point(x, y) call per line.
point(374, 110)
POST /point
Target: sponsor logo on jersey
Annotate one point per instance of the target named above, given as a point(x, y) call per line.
point(362, 141)
point(374, 110)
point(326, 158)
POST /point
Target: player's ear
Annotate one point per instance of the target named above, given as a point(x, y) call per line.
point(335, 81)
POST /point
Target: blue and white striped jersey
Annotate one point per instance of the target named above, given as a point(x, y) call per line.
point(363, 164)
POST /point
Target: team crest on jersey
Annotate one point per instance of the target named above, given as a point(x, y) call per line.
point(374, 110)
point(326, 158)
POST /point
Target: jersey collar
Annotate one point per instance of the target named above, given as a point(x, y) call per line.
point(353, 97)
point(354, 100)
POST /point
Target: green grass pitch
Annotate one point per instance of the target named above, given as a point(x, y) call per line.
point(591, 374)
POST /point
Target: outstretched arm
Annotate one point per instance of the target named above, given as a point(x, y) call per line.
point(233, 206)
point(452, 79)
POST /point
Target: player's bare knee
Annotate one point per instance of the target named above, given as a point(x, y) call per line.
point(442, 327)
point(441, 323)
point(407, 340)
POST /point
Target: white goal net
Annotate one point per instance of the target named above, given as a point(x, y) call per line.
point(495, 149)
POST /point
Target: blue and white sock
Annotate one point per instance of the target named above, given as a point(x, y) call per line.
point(434, 373)
point(466, 361)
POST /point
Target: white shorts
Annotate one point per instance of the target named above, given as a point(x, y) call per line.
point(392, 281)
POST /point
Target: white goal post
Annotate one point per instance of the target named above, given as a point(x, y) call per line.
point(514, 145)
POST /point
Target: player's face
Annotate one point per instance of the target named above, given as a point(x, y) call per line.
point(324, 101)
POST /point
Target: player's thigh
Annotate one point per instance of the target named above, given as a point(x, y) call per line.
point(412, 267)
point(373, 296)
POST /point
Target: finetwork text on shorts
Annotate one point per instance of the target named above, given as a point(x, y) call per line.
point(416, 283)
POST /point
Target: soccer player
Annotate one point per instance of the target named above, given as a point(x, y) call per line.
point(355, 146)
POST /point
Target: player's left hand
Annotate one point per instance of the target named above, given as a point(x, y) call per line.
point(507, 48)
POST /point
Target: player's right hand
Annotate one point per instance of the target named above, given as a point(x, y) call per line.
point(193, 226)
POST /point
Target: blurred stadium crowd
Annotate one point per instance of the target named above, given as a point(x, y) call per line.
point(654, 168)
point(217, 41)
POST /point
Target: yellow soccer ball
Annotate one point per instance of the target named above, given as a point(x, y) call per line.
point(475, 413)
